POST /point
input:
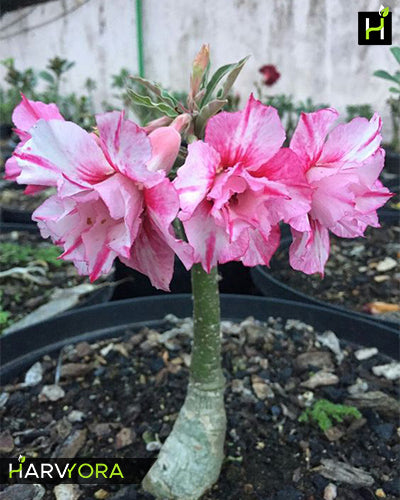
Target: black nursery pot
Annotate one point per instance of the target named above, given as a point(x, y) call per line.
point(392, 163)
point(5, 131)
point(22, 349)
point(99, 296)
point(235, 278)
point(270, 286)
point(13, 215)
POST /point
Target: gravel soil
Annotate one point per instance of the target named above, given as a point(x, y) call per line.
point(359, 273)
point(120, 398)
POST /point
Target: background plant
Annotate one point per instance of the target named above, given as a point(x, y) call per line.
point(354, 110)
point(18, 81)
point(150, 106)
point(74, 107)
point(394, 98)
point(289, 110)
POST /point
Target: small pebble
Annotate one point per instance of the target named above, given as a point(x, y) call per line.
point(34, 375)
point(330, 340)
point(101, 494)
point(330, 492)
point(76, 416)
point(6, 442)
point(391, 371)
point(380, 493)
point(124, 438)
point(366, 353)
point(320, 378)
point(67, 492)
point(153, 446)
point(386, 264)
point(51, 393)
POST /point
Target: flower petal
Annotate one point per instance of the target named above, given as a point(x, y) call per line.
point(28, 112)
point(60, 150)
point(151, 255)
point(262, 246)
point(309, 137)
point(210, 241)
point(251, 136)
point(127, 147)
point(353, 142)
point(196, 176)
point(309, 251)
point(165, 144)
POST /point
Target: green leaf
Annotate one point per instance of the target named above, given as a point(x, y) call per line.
point(231, 78)
point(385, 75)
point(396, 52)
point(46, 76)
point(162, 94)
point(207, 112)
point(394, 89)
point(145, 101)
point(232, 70)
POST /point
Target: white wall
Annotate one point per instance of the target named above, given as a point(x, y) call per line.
point(312, 42)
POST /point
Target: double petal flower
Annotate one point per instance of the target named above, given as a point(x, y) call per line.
point(237, 185)
point(113, 197)
point(342, 169)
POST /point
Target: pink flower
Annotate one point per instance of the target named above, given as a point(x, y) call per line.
point(25, 115)
point(236, 186)
point(113, 198)
point(342, 169)
point(270, 74)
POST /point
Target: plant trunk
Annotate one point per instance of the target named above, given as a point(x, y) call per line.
point(190, 460)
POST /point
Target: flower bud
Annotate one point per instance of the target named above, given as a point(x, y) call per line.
point(182, 123)
point(200, 64)
point(164, 121)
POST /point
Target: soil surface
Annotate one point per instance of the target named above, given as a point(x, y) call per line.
point(120, 398)
point(14, 198)
point(23, 292)
point(359, 273)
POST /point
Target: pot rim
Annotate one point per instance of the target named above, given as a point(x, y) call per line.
point(21, 349)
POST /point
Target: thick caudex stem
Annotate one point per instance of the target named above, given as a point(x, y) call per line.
point(190, 460)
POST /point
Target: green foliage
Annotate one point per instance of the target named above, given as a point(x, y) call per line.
point(4, 315)
point(289, 110)
point(76, 108)
point(364, 110)
point(394, 99)
point(148, 100)
point(323, 412)
point(18, 81)
point(14, 254)
point(4, 318)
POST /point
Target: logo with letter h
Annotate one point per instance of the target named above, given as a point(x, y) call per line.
point(375, 28)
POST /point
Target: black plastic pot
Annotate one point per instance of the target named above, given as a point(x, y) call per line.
point(5, 131)
point(15, 216)
point(11, 214)
point(392, 162)
point(99, 296)
point(235, 278)
point(22, 349)
point(272, 287)
point(387, 212)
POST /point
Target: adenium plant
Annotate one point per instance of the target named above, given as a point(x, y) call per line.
point(139, 195)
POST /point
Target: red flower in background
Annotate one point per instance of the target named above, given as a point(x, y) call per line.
point(270, 74)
